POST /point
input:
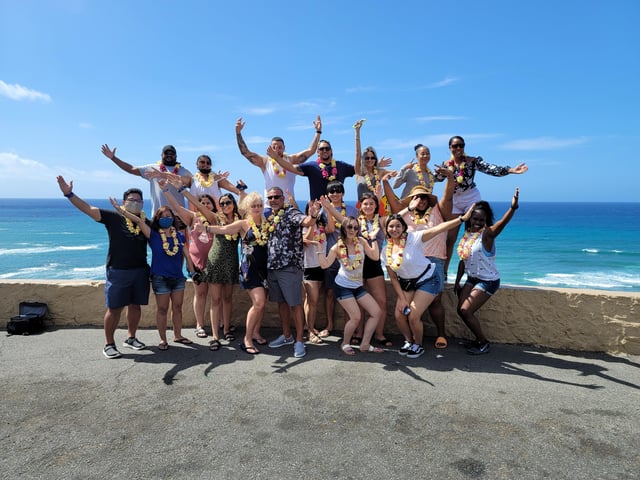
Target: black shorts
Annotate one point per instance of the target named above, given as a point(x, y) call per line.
point(371, 268)
point(314, 274)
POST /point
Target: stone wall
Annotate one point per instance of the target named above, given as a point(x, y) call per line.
point(560, 318)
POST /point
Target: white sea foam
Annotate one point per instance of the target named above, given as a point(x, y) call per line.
point(45, 249)
point(595, 280)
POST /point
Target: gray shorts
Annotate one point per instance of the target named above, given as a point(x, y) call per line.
point(285, 285)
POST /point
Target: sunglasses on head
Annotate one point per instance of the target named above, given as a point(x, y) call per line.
point(457, 145)
point(324, 149)
point(274, 197)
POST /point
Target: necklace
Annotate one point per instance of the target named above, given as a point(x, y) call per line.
point(418, 170)
point(276, 167)
point(458, 170)
point(466, 242)
point(422, 219)
point(163, 167)
point(165, 242)
point(319, 235)
point(364, 228)
point(261, 233)
point(325, 174)
point(274, 219)
point(343, 211)
point(344, 255)
point(395, 262)
point(205, 182)
point(223, 221)
point(135, 229)
point(374, 186)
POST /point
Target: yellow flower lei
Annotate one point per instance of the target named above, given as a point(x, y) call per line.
point(262, 233)
point(399, 258)
point(281, 172)
point(274, 219)
point(451, 164)
point(418, 170)
point(163, 167)
point(466, 242)
point(422, 220)
point(223, 222)
point(135, 229)
point(205, 182)
point(364, 229)
point(344, 255)
point(372, 187)
point(165, 242)
point(319, 235)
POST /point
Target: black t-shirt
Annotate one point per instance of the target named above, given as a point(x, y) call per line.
point(126, 250)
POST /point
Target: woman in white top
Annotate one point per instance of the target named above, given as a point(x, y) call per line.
point(349, 290)
point(412, 276)
point(477, 252)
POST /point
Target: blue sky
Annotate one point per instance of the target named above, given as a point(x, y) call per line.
point(552, 84)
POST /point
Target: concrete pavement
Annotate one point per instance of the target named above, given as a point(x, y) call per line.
point(518, 413)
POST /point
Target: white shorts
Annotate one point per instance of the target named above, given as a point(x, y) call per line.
point(464, 199)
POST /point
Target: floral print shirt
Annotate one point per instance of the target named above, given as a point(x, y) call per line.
point(467, 174)
point(285, 242)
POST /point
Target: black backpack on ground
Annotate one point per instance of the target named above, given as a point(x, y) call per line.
point(30, 320)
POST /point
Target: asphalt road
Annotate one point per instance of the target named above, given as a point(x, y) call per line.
point(518, 413)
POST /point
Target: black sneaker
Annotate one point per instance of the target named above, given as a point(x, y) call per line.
point(416, 351)
point(479, 349)
point(110, 351)
point(404, 349)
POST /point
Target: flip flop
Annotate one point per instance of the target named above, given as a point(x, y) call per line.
point(214, 345)
point(260, 341)
point(201, 333)
point(162, 346)
point(348, 349)
point(441, 343)
point(373, 349)
point(384, 341)
point(229, 337)
point(183, 341)
point(324, 333)
point(249, 350)
point(315, 339)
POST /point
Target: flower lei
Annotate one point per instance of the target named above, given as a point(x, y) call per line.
point(343, 211)
point(422, 219)
point(274, 219)
point(205, 182)
point(163, 167)
point(451, 165)
point(260, 233)
point(344, 255)
point(418, 170)
point(466, 242)
point(276, 167)
point(319, 235)
point(399, 258)
point(364, 229)
point(223, 221)
point(135, 229)
point(325, 174)
point(165, 242)
point(372, 187)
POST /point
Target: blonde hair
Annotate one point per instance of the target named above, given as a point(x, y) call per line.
point(248, 200)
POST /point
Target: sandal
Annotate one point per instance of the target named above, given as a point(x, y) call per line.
point(324, 333)
point(201, 333)
point(229, 337)
point(384, 341)
point(214, 345)
point(348, 349)
point(260, 341)
point(441, 342)
point(249, 350)
point(315, 339)
point(183, 341)
point(356, 340)
point(162, 346)
point(372, 349)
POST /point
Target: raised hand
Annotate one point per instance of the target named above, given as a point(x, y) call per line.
point(384, 162)
point(240, 125)
point(65, 188)
point(221, 176)
point(107, 152)
point(514, 200)
point(521, 168)
point(318, 124)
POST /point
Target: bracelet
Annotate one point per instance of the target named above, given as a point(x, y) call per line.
point(70, 195)
point(242, 188)
point(515, 208)
point(460, 218)
point(319, 253)
point(182, 188)
point(319, 132)
point(165, 191)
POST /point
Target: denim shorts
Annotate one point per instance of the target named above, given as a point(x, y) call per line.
point(438, 273)
point(162, 284)
point(487, 286)
point(342, 293)
point(126, 287)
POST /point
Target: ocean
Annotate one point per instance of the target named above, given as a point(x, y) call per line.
point(569, 245)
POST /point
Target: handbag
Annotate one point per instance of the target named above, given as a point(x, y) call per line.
point(411, 284)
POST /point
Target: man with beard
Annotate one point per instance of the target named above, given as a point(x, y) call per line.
point(423, 211)
point(127, 272)
point(168, 163)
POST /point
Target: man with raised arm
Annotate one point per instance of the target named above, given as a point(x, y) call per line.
point(274, 174)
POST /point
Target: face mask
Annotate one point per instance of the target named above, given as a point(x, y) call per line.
point(165, 222)
point(133, 207)
point(205, 171)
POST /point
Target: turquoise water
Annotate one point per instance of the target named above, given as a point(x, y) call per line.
point(571, 245)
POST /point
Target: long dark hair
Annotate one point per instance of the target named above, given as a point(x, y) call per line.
point(343, 226)
point(155, 222)
point(398, 217)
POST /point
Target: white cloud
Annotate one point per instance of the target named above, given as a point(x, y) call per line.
point(259, 111)
point(14, 165)
point(444, 82)
point(361, 88)
point(18, 93)
point(543, 143)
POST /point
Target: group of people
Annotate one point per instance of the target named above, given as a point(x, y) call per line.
point(290, 255)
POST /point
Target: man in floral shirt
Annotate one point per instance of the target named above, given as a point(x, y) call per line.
point(285, 265)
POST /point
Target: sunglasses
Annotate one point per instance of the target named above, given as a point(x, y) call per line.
point(457, 145)
point(324, 149)
point(352, 227)
point(335, 190)
point(257, 205)
point(224, 204)
point(369, 158)
point(133, 200)
point(274, 197)
point(204, 162)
